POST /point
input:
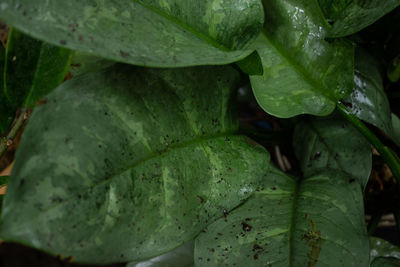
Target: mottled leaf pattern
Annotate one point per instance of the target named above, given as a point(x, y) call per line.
point(127, 164)
point(32, 69)
point(315, 221)
point(351, 16)
point(303, 72)
point(335, 144)
point(161, 33)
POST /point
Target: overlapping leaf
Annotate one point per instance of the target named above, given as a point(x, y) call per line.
point(315, 221)
point(303, 72)
point(368, 101)
point(165, 33)
point(334, 144)
point(129, 163)
point(82, 63)
point(32, 69)
point(350, 16)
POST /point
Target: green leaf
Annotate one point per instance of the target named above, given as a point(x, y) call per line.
point(129, 163)
point(385, 262)
point(383, 248)
point(303, 72)
point(334, 144)
point(251, 65)
point(6, 112)
point(368, 101)
point(393, 71)
point(160, 33)
point(396, 128)
point(318, 220)
point(32, 69)
point(82, 63)
point(179, 257)
point(383, 253)
point(351, 16)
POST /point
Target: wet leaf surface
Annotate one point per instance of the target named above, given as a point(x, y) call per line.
point(309, 222)
point(351, 16)
point(123, 165)
point(368, 101)
point(169, 30)
point(303, 72)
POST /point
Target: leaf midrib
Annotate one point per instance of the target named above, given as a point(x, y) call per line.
point(198, 140)
point(299, 69)
point(186, 27)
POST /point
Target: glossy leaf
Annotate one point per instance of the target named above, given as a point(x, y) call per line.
point(315, 221)
point(303, 72)
point(179, 257)
point(334, 144)
point(368, 101)
point(32, 69)
point(351, 16)
point(127, 164)
point(6, 112)
point(82, 63)
point(167, 33)
point(383, 248)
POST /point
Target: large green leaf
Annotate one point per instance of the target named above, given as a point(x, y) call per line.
point(303, 72)
point(162, 33)
point(316, 221)
point(350, 16)
point(129, 163)
point(32, 69)
point(383, 253)
point(332, 143)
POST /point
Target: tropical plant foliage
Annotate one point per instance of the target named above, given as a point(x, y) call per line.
point(134, 152)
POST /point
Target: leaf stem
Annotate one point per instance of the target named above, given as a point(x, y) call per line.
point(13, 132)
point(373, 223)
point(387, 154)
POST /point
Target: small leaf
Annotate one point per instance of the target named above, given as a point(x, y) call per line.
point(315, 221)
point(351, 16)
point(182, 257)
point(148, 33)
point(32, 69)
point(303, 72)
point(129, 163)
point(334, 144)
point(394, 69)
